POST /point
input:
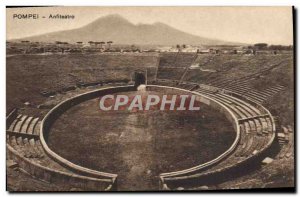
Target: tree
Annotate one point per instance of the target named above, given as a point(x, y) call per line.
point(96, 43)
point(280, 47)
point(64, 44)
point(178, 47)
point(91, 42)
point(260, 46)
point(102, 43)
point(109, 43)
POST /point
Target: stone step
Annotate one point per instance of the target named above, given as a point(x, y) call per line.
point(261, 93)
point(20, 124)
point(246, 151)
point(256, 96)
point(13, 124)
point(36, 130)
point(32, 125)
point(26, 125)
point(267, 160)
point(11, 164)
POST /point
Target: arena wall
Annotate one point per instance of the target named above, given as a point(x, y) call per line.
point(54, 113)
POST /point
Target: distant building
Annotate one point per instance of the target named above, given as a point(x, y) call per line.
point(164, 49)
point(205, 51)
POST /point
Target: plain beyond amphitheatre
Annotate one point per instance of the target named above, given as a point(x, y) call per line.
point(57, 139)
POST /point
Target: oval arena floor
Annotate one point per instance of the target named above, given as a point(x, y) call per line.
point(138, 146)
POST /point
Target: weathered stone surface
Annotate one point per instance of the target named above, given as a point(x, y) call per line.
point(12, 164)
point(204, 187)
point(267, 160)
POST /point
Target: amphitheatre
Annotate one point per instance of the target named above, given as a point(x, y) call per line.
point(58, 140)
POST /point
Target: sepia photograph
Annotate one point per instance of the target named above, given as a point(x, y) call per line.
point(150, 98)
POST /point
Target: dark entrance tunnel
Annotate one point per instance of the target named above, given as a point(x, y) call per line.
point(139, 78)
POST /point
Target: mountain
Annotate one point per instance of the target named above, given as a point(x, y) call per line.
point(121, 31)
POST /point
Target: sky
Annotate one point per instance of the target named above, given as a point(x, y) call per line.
point(272, 25)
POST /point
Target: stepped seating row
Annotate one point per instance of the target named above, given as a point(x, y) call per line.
point(224, 78)
point(243, 111)
point(25, 124)
point(170, 73)
point(235, 84)
point(23, 134)
point(256, 131)
point(59, 88)
point(167, 59)
point(185, 60)
point(176, 60)
point(229, 83)
point(164, 82)
point(243, 88)
point(94, 83)
point(24, 147)
point(239, 87)
point(220, 82)
point(239, 107)
point(261, 96)
point(81, 84)
point(286, 153)
point(187, 86)
point(251, 142)
point(174, 66)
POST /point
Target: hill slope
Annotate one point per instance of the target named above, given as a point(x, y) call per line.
point(121, 31)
